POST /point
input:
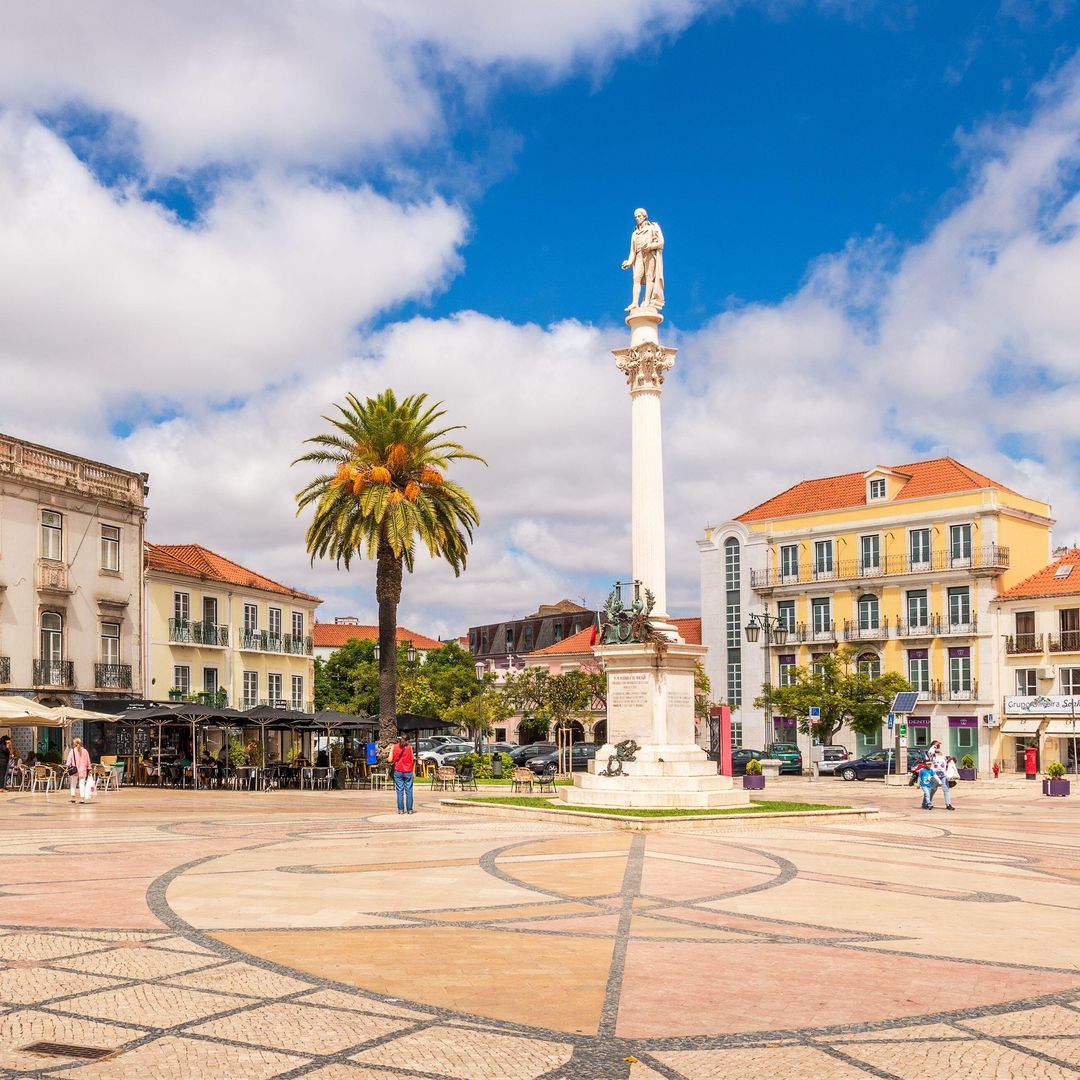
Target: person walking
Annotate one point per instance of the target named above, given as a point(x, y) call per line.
point(940, 763)
point(401, 758)
point(927, 782)
point(78, 767)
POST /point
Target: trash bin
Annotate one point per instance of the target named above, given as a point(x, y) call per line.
point(496, 766)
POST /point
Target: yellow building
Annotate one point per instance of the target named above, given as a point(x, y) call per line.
point(221, 631)
point(901, 563)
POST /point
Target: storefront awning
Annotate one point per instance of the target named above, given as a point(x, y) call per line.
point(1028, 726)
point(1063, 727)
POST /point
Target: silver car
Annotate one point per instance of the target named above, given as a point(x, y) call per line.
point(832, 757)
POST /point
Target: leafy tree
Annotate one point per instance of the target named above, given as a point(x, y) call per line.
point(843, 693)
point(388, 491)
point(545, 700)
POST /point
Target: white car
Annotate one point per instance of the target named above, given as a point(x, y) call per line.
point(438, 754)
point(832, 757)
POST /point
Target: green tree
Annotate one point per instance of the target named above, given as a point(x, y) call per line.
point(545, 700)
point(386, 493)
point(844, 694)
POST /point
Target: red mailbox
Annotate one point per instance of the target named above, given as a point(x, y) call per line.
point(1030, 764)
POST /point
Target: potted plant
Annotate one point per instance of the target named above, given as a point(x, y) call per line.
point(753, 780)
point(1055, 782)
point(176, 694)
point(967, 768)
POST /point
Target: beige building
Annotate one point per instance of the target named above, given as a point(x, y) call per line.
point(71, 544)
point(225, 634)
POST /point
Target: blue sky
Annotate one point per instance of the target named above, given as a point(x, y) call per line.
point(218, 224)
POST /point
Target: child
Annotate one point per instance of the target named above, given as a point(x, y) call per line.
point(928, 783)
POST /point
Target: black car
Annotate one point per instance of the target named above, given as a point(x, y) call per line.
point(520, 754)
point(878, 764)
point(741, 757)
point(581, 754)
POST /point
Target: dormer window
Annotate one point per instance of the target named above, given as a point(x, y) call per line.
point(877, 488)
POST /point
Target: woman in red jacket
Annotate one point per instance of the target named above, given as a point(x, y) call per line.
point(401, 758)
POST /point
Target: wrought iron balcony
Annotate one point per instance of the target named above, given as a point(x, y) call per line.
point(252, 641)
point(209, 633)
point(992, 558)
point(855, 631)
point(930, 627)
point(960, 629)
point(940, 692)
point(54, 673)
point(1065, 641)
point(5, 669)
point(1023, 643)
point(298, 646)
point(112, 676)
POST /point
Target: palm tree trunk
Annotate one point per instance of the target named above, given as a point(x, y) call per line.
point(388, 594)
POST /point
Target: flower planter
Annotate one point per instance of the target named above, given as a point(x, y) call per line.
point(754, 783)
point(967, 774)
point(176, 695)
point(1055, 787)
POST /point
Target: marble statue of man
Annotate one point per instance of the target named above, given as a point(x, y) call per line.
point(646, 259)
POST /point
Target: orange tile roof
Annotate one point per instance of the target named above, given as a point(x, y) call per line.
point(334, 635)
point(576, 644)
point(193, 560)
point(938, 477)
point(1046, 582)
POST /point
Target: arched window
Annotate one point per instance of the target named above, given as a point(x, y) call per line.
point(869, 664)
point(869, 612)
point(731, 564)
point(52, 637)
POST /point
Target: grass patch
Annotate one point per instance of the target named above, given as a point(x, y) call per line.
point(763, 807)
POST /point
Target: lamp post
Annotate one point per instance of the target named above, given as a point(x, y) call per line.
point(480, 668)
point(768, 628)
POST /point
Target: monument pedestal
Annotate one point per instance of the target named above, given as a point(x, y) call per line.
point(650, 699)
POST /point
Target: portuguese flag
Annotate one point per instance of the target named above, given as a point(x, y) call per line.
point(594, 637)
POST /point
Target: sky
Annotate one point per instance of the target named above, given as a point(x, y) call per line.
point(219, 219)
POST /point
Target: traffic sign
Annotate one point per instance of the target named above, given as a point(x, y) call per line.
point(892, 720)
point(903, 731)
point(815, 714)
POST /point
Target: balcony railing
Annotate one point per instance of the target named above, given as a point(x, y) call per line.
point(1065, 641)
point(855, 631)
point(992, 557)
point(261, 641)
point(298, 646)
point(186, 632)
point(1023, 643)
point(5, 669)
point(804, 633)
point(925, 628)
point(112, 676)
point(940, 692)
point(54, 673)
point(961, 629)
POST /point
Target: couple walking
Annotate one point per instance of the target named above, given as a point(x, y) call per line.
point(933, 773)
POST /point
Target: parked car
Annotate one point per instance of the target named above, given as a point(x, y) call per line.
point(740, 758)
point(439, 754)
point(832, 757)
point(581, 754)
point(520, 754)
point(788, 754)
point(876, 764)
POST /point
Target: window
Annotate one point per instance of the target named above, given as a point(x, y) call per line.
point(52, 535)
point(919, 547)
point(297, 692)
point(731, 563)
point(918, 669)
point(959, 670)
point(210, 610)
point(1026, 682)
point(869, 553)
point(789, 561)
point(821, 611)
point(558, 632)
point(110, 643)
point(823, 558)
point(965, 738)
point(918, 608)
point(734, 626)
point(785, 612)
point(1070, 681)
point(210, 681)
point(734, 682)
point(877, 488)
point(1025, 624)
point(273, 622)
point(52, 638)
point(787, 670)
point(251, 689)
point(1069, 624)
point(527, 644)
point(816, 665)
point(509, 639)
point(251, 618)
point(920, 736)
point(181, 606)
point(298, 625)
point(110, 548)
point(960, 606)
point(960, 543)
point(736, 734)
point(181, 678)
point(273, 688)
point(869, 612)
point(869, 664)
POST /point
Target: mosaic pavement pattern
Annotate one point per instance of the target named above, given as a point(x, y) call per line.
point(319, 935)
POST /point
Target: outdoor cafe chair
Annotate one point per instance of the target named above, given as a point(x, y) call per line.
point(522, 778)
point(467, 778)
point(43, 778)
point(545, 781)
point(444, 779)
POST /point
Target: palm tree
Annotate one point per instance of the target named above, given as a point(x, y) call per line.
point(386, 492)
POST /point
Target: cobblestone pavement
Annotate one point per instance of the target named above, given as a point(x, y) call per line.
point(321, 935)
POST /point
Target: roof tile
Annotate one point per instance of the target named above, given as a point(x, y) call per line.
point(577, 644)
point(334, 635)
point(1046, 582)
point(193, 560)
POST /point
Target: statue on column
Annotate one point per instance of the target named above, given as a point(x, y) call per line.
point(646, 259)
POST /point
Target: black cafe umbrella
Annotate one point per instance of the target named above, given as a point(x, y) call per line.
point(155, 714)
point(412, 722)
point(275, 716)
point(194, 712)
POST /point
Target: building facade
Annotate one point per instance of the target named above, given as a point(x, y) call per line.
point(500, 644)
point(900, 563)
point(1037, 629)
point(329, 637)
point(221, 633)
point(71, 598)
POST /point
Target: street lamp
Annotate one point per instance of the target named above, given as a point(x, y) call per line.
point(768, 628)
point(480, 669)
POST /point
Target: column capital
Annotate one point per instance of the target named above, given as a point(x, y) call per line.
point(645, 364)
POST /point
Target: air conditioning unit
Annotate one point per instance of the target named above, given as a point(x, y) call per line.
point(1046, 673)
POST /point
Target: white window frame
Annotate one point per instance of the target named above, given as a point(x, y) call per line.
point(784, 609)
point(181, 608)
point(215, 682)
point(817, 604)
point(869, 664)
point(870, 563)
point(52, 536)
point(250, 684)
point(919, 673)
point(251, 618)
point(732, 564)
point(110, 654)
point(1069, 678)
point(789, 562)
point(110, 548)
point(301, 633)
point(733, 624)
point(960, 544)
point(965, 738)
point(273, 615)
point(53, 652)
point(1027, 682)
point(876, 489)
point(920, 554)
point(958, 593)
point(918, 614)
point(959, 674)
point(824, 559)
point(181, 674)
point(296, 689)
point(275, 687)
point(869, 609)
